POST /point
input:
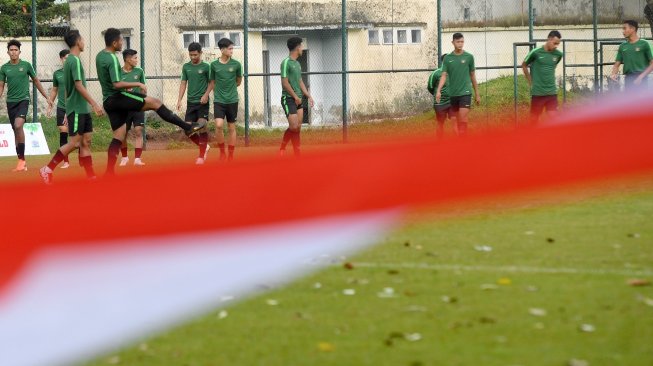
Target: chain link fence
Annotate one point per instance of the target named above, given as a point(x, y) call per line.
point(390, 47)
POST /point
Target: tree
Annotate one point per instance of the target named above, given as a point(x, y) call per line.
point(52, 18)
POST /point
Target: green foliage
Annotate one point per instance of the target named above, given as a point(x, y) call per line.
point(16, 18)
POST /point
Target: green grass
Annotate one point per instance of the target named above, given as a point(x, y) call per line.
point(459, 322)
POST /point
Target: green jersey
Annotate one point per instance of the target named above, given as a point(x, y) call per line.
point(636, 57)
point(58, 82)
point(543, 65)
point(292, 70)
point(17, 76)
point(434, 81)
point(108, 72)
point(136, 75)
point(458, 69)
point(197, 77)
point(225, 76)
point(74, 71)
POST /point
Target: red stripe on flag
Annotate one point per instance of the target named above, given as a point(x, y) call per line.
point(265, 191)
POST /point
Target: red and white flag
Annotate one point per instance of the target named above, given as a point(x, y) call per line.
point(86, 268)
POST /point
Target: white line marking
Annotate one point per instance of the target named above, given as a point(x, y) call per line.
point(511, 269)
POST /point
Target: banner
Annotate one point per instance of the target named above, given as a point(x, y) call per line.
point(35, 143)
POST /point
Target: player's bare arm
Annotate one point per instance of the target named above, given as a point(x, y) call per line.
point(614, 75)
point(239, 80)
point(182, 91)
point(477, 96)
point(527, 73)
point(207, 93)
point(644, 74)
point(79, 86)
point(438, 93)
point(311, 102)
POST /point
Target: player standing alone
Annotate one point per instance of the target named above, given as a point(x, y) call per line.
point(543, 62)
point(77, 111)
point(293, 92)
point(59, 92)
point(226, 74)
point(17, 73)
point(131, 72)
point(118, 102)
point(443, 107)
point(195, 78)
point(459, 69)
point(636, 56)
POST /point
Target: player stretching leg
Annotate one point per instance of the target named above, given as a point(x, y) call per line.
point(195, 78)
point(17, 73)
point(59, 92)
point(542, 77)
point(77, 111)
point(293, 92)
point(131, 72)
point(225, 78)
point(118, 102)
point(458, 68)
point(443, 107)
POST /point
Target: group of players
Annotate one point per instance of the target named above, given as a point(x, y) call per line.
point(452, 83)
point(125, 98)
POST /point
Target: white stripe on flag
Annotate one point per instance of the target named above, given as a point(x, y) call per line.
point(70, 305)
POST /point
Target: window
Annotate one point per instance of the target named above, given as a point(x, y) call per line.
point(416, 35)
point(128, 42)
point(373, 37)
point(204, 40)
point(467, 14)
point(217, 36)
point(402, 36)
point(235, 38)
point(188, 39)
point(388, 36)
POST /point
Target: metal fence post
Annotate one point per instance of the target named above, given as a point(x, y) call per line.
point(35, 95)
point(246, 70)
point(439, 16)
point(531, 20)
point(142, 26)
point(595, 22)
point(345, 104)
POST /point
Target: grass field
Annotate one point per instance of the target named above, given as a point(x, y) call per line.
point(533, 280)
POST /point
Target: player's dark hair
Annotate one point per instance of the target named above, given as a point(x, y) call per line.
point(13, 42)
point(71, 37)
point(64, 53)
point(194, 47)
point(293, 43)
point(632, 23)
point(128, 53)
point(555, 34)
point(224, 43)
point(111, 35)
point(442, 57)
point(457, 36)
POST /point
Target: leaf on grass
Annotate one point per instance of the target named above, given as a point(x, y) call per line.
point(143, 347)
point(449, 299)
point(348, 265)
point(483, 248)
point(504, 281)
point(113, 360)
point(575, 362)
point(387, 293)
point(325, 347)
point(272, 302)
point(634, 235)
point(393, 272)
point(407, 244)
point(412, 337)
point(550, 240)
point(487, 320)
point(349, 292)
point(638, 282)
point(587, 328)
point(489, 287)
point(529, 233)
point(317, 285)
point(223, 314)
point(416, 309)
point(537, 312)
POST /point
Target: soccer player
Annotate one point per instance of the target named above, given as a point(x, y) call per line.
point(443, 107)
point(195, 78)
point(226, 74)
point(77, 111)
point(17, 73)
point(293, 92)
point(59, 92)
point(459, 69)
point(542, 76)
point(118, 102)
point(132, 73)
point(636, 56)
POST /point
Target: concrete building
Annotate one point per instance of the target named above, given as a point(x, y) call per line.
point(379, 38)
